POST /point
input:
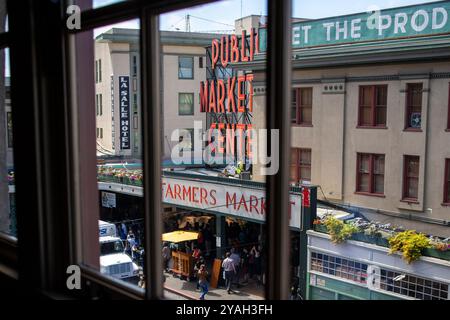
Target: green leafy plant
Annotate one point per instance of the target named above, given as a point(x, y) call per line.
point(410, 244)
point(338, 230)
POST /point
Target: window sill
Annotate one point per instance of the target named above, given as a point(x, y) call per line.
point(379, 195)
point(445, 204)
point(410, 201)
point(447, 130)
point(412, 130)
point(371, 127)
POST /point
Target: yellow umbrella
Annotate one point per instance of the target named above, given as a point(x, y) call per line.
point(180, 236)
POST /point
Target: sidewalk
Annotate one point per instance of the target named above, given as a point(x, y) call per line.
point(188, 290)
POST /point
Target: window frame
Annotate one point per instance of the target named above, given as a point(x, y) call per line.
point(299, 166)
point(299, 107)
point(63, 208)
point(405, 196)
point(179, 67)
point(446, 198)
point(373, 107)
point(371, 174)
point(409, 107)
point(193, 104)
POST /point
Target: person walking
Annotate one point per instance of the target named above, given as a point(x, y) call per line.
point(166, 256)
point(202, 276)
point(229, 271)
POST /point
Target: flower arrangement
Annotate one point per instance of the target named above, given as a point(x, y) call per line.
point(410, 243)
point(441, 245)
point(338, 230)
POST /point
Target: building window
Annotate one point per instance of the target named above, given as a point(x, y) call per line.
point(301, 112)
point(9, 129)
point(370, 175)
point(185, 67)
point(200, 62)
point(134, 66)
point(414, 105)
point(447, 182)
point(96, 71)
point(96, 104)
point(99, 70)
point(185, 104)
point(101, 104)
point(372, 106)
point(411, 177)
point(300, 165)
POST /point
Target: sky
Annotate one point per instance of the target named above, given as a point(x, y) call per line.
point(222, 14)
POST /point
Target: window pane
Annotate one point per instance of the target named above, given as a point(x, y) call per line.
point(413, 167)
point(380, 114)
point(412, 188)
point(186, 103)
point(366, 116)
point(366, 96)
point(7, 183)
point(381, 95)
point(306, 115)
point(185, 67)
point(199, 174)
point(378, 183)
point(113, 234)
point(294, 107)
point(364, 182)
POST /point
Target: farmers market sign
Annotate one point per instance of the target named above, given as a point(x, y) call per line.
point(396, 23)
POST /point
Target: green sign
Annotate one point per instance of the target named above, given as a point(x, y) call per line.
point(411, 21)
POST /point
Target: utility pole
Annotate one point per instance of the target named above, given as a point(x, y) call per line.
point(188, 23)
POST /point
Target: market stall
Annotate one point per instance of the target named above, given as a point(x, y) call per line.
point(183, 263)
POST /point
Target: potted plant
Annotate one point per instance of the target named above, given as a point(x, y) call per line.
point(410, 243)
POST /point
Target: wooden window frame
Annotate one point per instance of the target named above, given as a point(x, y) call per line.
point(299, 107)
point(408, 105)
point(371, 173)
point(60, 215)
point(373, 107)
point(405, 196)
point(299, 166)
point(446, 197)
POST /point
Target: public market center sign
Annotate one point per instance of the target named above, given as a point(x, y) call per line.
point(397, 23)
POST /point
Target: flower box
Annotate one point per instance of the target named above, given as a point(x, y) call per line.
point(320, 228)
point(435, 253)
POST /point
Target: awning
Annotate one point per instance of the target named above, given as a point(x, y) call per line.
point(180, 236)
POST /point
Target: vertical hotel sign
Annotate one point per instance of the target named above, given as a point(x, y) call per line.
point(124, 93)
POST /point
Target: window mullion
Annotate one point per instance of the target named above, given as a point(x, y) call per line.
point(278, 117)
point(150, 70)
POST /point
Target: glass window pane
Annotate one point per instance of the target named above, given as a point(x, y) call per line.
point(113, 234)
point(186, 104)
point(198, 173)
point(185, 67)
point(380, 114)
point(366, 116)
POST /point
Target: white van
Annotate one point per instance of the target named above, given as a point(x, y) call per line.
point(113, 259)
